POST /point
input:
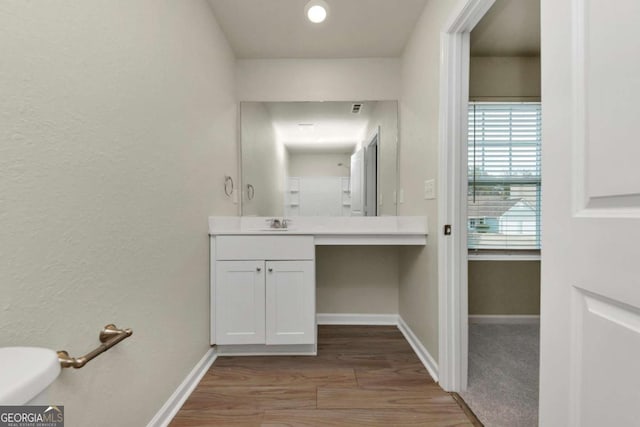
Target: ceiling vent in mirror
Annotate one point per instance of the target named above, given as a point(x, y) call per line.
point(306, 127)
point(355, 108)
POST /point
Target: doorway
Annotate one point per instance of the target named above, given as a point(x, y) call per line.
point(454, 272)
point(371, 175)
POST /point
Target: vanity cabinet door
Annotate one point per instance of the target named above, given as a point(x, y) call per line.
point(290, 305)
point(240, 302)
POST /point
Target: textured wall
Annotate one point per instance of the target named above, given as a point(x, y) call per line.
point(419, 115)
point(504, 287)
point(117, 122)
point(360, 79)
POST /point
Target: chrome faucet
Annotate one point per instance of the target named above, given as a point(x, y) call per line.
point(278, 223)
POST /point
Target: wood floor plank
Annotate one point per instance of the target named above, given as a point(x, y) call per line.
point(362, 376)
point(328, 360)
point(404, 376)
point(422, 397)
point(363, 417)
point(372, 348)
point(211, 398)
point(357, 331)
point(269, 376)
point(207, 418)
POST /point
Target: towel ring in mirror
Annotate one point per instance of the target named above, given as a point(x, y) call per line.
point(228, 185)
point(251, 192)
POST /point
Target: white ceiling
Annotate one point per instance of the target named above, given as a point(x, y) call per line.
point(354, 28)
point(510, 28)
point(335, 128)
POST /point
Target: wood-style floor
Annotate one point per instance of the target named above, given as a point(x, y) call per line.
point(362, 376)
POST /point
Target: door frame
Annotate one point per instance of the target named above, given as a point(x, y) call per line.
point(452, 209)
point(373, 141)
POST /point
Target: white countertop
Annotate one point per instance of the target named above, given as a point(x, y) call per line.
point(331, 230)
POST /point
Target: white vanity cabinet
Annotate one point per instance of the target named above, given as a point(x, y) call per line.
point(240, 302)
point(263, 294)
point(290, 302)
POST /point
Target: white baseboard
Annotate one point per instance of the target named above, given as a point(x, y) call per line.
point(171, 407)
point(420, 350)
point(356, 319)
point(504, 318)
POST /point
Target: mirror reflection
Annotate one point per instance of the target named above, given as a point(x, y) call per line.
point(319, 158)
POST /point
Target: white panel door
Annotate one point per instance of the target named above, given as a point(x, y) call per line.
point(291, 304)
point(239, 301)
point(590, 314)
point(357, 183)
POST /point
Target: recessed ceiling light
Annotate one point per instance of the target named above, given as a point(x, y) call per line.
point(317, 11)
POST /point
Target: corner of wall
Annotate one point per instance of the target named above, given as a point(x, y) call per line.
point(419, 128)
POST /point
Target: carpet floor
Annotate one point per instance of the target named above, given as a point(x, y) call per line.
point(503, 374)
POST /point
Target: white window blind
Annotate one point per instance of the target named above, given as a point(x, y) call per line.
point(504, 176)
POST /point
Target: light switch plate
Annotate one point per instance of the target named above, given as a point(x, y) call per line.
point(401, 196)
point(430, 189)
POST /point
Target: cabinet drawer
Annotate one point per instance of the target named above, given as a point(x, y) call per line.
point(264, 247)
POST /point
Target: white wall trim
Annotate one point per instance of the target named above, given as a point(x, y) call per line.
point(171, 407)
point(356, 319)
point(512, 319)
point(496, 257)
point(452, 250)
point(420, 350)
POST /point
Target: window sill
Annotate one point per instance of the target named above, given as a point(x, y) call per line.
point(507, 256)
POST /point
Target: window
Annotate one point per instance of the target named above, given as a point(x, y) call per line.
point(504, 176)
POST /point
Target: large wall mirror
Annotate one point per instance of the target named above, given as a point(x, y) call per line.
point(319, 158)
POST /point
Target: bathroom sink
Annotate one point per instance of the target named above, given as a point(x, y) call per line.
point(26, 373)
point(269, 229)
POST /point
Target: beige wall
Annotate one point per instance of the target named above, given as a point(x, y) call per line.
point(117, 121)
point(334, 80)
point(263, 162)
point(359, 79)
point(419, 117)
point(504, 78)
point(504, 287)
point(319, 164)
point(357, 279)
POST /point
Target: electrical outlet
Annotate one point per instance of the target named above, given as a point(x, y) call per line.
point(401, 196)
point(380, 200)
point(430, 189)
